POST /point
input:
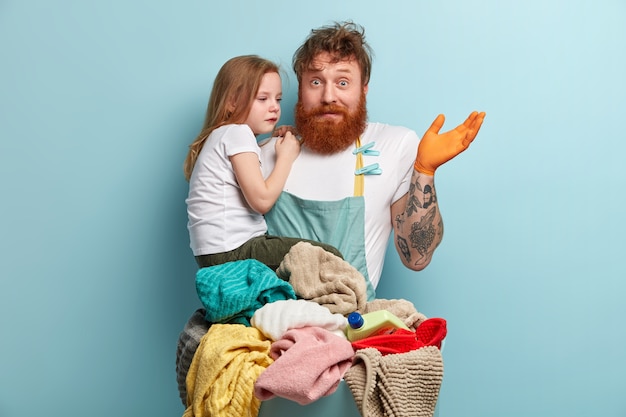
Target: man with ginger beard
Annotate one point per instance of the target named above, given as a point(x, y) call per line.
point(327, 136)
point(354, 181)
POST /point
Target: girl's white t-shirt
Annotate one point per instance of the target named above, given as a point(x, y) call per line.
point(219, 218)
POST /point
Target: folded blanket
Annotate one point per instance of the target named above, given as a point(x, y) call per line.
point(403, 309)
point(309, 364)
point(188, 342)
point(220, 381)
point(274, 319)
point(396, 385)
point(233, 291)
point(318, 275)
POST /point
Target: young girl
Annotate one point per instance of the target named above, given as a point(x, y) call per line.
point(227, 192)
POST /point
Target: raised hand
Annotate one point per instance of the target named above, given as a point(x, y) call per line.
point(436, 148)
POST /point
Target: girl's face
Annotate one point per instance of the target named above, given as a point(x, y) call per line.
point(265, 110)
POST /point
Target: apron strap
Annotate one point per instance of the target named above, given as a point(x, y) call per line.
point(359, 184)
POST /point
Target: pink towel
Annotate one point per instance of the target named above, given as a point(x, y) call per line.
point(309, 364)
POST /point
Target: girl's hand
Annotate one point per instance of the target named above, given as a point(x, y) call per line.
point(287, 146)
point(281, 130)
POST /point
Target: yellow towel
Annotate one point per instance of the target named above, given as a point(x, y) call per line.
point(220, 381)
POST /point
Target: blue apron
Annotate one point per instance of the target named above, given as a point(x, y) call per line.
point(339, 223)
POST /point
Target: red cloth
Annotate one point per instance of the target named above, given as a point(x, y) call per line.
point(399, 341)
point(430, 332)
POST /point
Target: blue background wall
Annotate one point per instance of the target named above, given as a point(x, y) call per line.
point(99, 100)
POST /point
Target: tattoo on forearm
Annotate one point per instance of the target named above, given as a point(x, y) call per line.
point(440, 228)
point(413, 204)
point(423, 234)
point(416, 191)
point(404, 248)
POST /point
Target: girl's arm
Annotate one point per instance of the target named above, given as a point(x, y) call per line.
point(260, 193)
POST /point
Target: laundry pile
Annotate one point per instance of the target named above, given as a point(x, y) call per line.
point(263, 334)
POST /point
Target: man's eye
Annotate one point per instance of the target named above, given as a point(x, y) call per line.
point(315, 82)
point(343, 83)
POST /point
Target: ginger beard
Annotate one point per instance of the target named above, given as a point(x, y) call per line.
point(327, 136)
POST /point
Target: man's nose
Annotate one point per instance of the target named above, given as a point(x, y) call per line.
point(329, 96)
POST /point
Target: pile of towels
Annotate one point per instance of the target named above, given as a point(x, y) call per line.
point(265, 333)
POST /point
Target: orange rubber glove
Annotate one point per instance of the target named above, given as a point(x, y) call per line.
point(436, 148)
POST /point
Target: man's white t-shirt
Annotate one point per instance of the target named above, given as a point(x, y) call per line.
point(331, 178)
point(220, 219)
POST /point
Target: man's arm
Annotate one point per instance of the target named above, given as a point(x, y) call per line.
point(416, 218)
point(417, 222)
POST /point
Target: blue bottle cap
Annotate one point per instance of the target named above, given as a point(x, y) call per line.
point(355, 320)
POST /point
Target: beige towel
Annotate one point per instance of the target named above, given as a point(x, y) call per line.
point(403, 309)
point(317, 275)
point(396, 385)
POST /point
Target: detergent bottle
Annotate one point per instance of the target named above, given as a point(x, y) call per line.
point(374, 323)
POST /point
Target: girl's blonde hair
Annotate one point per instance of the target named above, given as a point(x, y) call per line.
point(234, 90)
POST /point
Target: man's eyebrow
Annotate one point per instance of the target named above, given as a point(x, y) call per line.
point(347, 70)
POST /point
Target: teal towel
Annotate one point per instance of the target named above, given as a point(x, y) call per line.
point(233, 291)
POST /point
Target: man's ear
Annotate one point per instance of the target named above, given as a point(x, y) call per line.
point(365, 88)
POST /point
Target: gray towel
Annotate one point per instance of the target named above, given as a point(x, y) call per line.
point(188, 342)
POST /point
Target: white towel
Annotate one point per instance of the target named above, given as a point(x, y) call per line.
point(276, 318)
